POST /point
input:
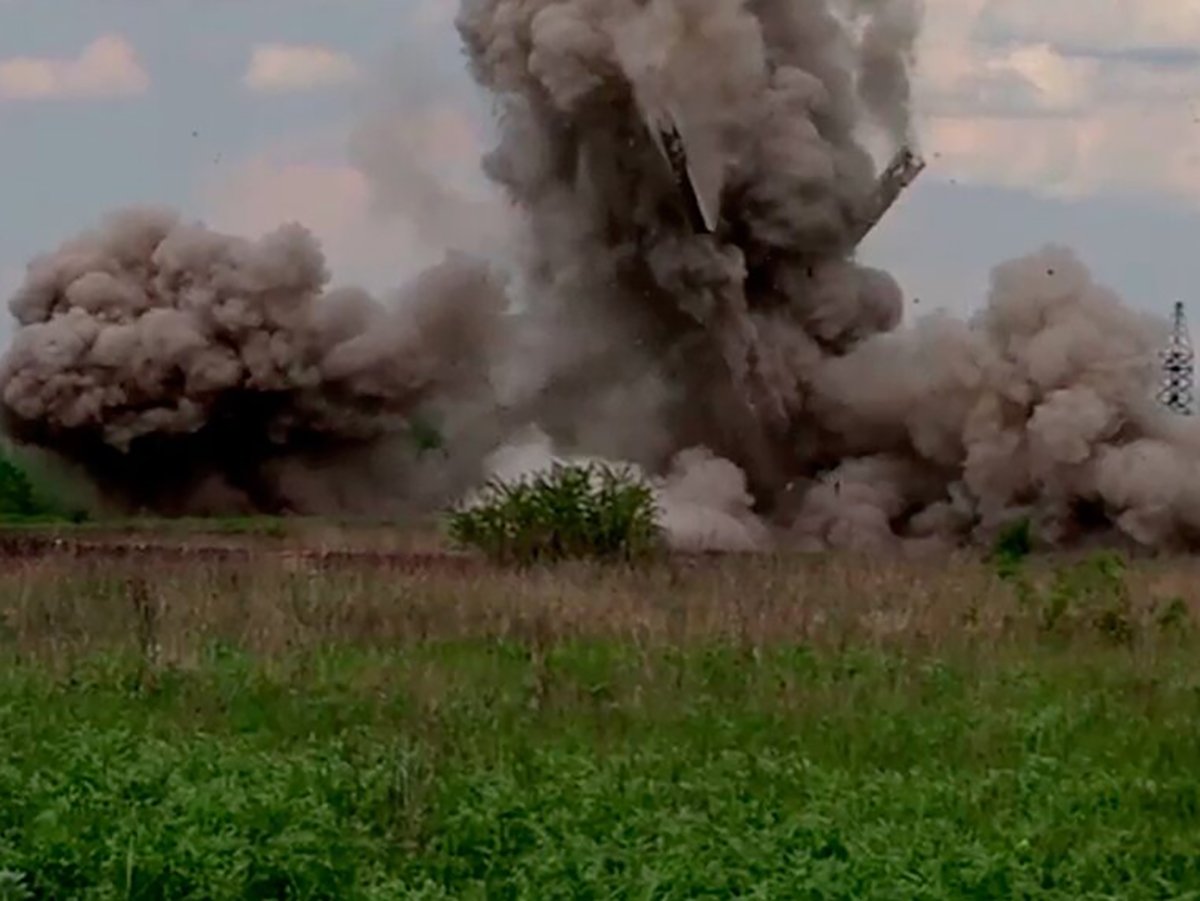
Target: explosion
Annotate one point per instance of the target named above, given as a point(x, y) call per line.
point(186, 370)
point(715, 331)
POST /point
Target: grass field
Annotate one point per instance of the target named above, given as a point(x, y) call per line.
point(767, 728)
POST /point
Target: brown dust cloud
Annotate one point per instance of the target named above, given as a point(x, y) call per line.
point(757, 372)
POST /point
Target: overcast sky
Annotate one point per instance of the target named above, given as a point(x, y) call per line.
point(1072, 121)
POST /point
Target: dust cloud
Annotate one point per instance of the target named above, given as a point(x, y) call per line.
point(757, 371)
point(188, 370)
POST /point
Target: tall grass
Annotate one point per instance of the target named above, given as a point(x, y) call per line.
point(52, 610)
point(775, 727)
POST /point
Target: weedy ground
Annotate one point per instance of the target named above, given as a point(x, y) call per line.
point(780, 727)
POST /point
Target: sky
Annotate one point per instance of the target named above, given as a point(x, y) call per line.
point(1042, 122)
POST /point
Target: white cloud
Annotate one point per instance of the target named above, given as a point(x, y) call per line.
point(330, 199)
point(1098, 25)
point(276, 68)
point(1022, 95)
point(394, 209)
point(107, 67)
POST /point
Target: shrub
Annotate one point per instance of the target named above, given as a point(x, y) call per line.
point(425, 436)
point(1091, 593)
point(1099, 585)
point(1012, 546)
point(23, 497)
point(1009, 552)
point(16, 491)
point(571, 512)
point(1173, 615)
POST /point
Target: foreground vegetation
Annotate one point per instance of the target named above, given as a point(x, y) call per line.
point(570, 512)
point(30, 495)
point(775, 728)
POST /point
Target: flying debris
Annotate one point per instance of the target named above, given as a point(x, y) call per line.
point(663, 126)
point(901, 172)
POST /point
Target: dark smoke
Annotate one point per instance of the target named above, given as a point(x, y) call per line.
point(768, 95)
point(760, 366)
point(189, 370)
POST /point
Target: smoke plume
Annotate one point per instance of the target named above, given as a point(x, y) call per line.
point(759, 371)
point(187, 369)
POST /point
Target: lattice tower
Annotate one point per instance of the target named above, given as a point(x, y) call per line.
point(1178, 368)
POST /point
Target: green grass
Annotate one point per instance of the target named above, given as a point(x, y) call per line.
point(183, 527)
point(596, 769)
point(267, 526)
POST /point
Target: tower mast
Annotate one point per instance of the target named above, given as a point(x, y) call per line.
point(1178, 368)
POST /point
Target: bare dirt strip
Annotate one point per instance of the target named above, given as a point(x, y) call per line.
point(18, 547)
point(26, 547)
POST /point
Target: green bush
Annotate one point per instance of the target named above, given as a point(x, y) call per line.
point(1089, 595)
point(23, 497)
point(425, 436)
point(16, 491)
point(571, 512)
point(1012, 546)
point(1009, 553)
point(1091, 592)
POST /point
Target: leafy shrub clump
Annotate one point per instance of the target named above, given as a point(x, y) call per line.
point(1012, 546)
point(16, 491)
point(574, 511)
point(425, 437)
point(1091, 592)
point(22, 498)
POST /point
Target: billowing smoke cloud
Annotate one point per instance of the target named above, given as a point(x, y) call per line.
point(187, 369)
point(717, 328)
point(1040, 407)
point(758, 370)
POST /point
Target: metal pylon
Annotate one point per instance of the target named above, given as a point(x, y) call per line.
point(1178, 368)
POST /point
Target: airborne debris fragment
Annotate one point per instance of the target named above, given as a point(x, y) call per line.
point(663, 126)
point(901, 172)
